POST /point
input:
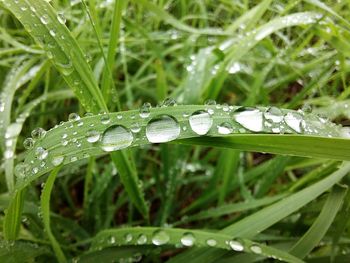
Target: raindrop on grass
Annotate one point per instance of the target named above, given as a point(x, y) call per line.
point(188, 239)
point(61, 18)
point(211, 242)
point(142, 239)
point(41, 153)
point(273, 114)
point(235, 245)
point(73, 117)
point(135, 127)
point(128, 237)
point(225, 128)
point(294, 120)
point(115, 138)
point(145, 110)
point(57, 160)
point(201, 122)
point(28, 143)
point(38, 133)
point(160, 237)
point(163, 128)
point(44, 19)
point(92, 136)
point(256, 249)
point(105, 119)
point(249, 118)
point(168, 102)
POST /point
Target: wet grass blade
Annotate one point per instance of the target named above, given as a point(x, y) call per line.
point(41, 21)
point(45, 209)
point(319, 228)
point(12, 221)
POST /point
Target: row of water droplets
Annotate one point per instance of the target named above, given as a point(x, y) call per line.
point(161, 237)
point(116, 132)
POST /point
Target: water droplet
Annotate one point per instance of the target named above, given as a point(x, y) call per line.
point(73, 117)
point(57, 160)
point(35, 170)
point(249, 118)
point(160, 237)
point(162, 128)
point(41, 153)
point(44, 19)
point(115, 138)
point(201, 122)
point(168, 102)
point(128, 237)
point(294, 121)
point(211, 242)
point(52, 32)
point(188, 239)
point(38, 133)
point(225, 128)
point(210, 102)
point(135, 127)
point(92, 136)
point(256, 249)
point(112, 240)
point(145, 110)
point(105, 119)
point(28, 143)
point(65, 67)
point(273, 114)
point(142, 239)
point(236, 246)
point(61, 18)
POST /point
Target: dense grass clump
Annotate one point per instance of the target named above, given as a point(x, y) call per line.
point(174, 131)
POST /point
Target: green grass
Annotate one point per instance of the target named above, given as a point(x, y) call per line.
point(243, 156)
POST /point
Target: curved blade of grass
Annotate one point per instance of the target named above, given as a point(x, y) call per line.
point(145, 236)
point(297, 145)
point(41, 22)
point(45, 209)
point(251, 225)
point(12, 220)
point(319, 228)
point(69, 140)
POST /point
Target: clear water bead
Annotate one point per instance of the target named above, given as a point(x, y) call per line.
point(28, 143)
point(163, 128)
point(142, 239)
point(41, 153)
point(273, 114)
point(92, 136)
point(61, 18)
point(235, 245)
point(115, 138)
point(225, 128)
point(294, 120)
point(188, 239)
point(201, 122)
point(73, 117)
point(145, 110)
point(160, 237)
point(38, 133)
point(57, 160)
point(249, 118)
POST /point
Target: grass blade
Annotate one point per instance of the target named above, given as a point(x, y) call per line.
point(45, 209)
point(12, 221)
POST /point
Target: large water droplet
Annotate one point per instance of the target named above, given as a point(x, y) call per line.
point(273, 114)
point(145, 110)
point(44, 19)
point(201, 122)
point(28, 143)
point(294, 121)
point(57, 160)
point(73, 117)
point(61, 19)
point(92, 136)
point(188, 239)
point(225, 128)
point(128, 237)
point(168, 102)
point(105, 119)
point(249, 118)
point(256, 249)
point(41, 153)
point(162, 128)
point(142, 239)
point(211, 242)
point(160, 237)
point(38, 133)
point(236, 246)
point(115, 138)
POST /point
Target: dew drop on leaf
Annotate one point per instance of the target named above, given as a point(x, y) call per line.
point(57, 160)
point(38, 133)
point(235, 245)
point(294, 121)
point(201, 122)
point(163, 128)
point(115, 138)
point(256, 249)
point(249, 118)
point(145, 110)
point(211, 242)
point(61, 18)
point(92, 136)
point(142, 239)
point(41, 153)
point(225, 128)
point(160, 237)
point(28, 143)
point(73, 117)
point(188, 239)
